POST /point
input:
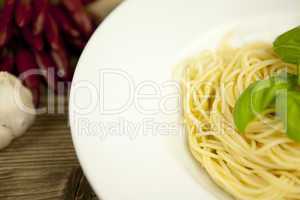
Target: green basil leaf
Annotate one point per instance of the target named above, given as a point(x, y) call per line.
point(258, 97)
point(287, 46)
point(288, 109)
point(242, 111)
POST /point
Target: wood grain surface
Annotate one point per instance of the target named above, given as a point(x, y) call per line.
point(42, 164)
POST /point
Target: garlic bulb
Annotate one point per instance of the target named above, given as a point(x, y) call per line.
point(17, 111)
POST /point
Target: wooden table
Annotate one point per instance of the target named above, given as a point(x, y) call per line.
point(42, 164)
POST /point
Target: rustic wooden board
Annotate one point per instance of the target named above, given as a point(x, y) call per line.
point(42, 165)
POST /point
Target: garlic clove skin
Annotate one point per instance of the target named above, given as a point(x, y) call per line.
point(6, 137)
point(17, 112)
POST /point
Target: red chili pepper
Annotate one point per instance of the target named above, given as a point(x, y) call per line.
point(85, 2)
point(40, 13)
point(52, 32)
point(78, 43)
point(64, 21)
point(26, 64)
point(76, 10)
point(61, 59)
point(35, 41)
point(23, 12)
point(7, 63)
point(6, 19)
point(48, 69)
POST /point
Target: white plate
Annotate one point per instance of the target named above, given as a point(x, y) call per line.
point(129, 143)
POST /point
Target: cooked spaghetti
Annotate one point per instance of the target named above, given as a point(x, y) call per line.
point(263, 163)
